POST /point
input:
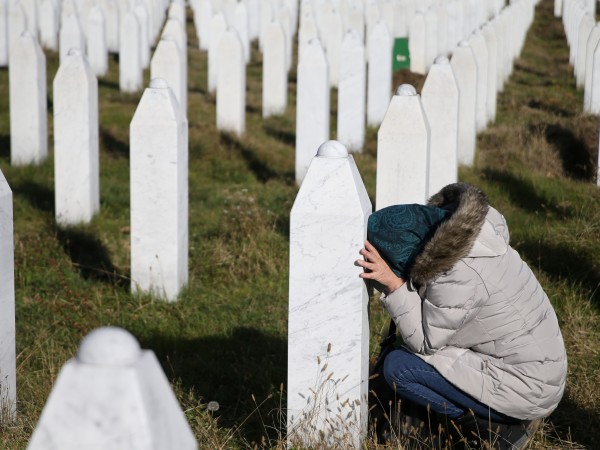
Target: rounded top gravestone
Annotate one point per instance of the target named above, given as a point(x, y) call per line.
point(158, 83)
point(109, 346)
point(406, 90)
point(442, 60)
point(332, 149)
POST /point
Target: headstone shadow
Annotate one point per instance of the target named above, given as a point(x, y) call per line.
point(573, 423)
point(90, 257)
point(39, 196)
point(285, 137)
point(5, 146)
point(576, 157)
point(523, 193)
point(230, 369)
point(103, 82)
point(113, 145)
point(260, 169)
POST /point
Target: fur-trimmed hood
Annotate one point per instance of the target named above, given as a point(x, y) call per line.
point(455, 237)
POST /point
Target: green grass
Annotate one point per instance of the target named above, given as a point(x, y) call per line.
point(226, 339)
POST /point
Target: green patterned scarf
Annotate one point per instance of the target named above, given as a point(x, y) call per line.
point(399, 233)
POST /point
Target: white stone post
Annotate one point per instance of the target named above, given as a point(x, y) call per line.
point(112, 21)
point(491, 43)
point(159, 194)
point(558, 4)
point(328, 326)
point(17, 23)
point(403, 143)
point(166, 64)
point(218, 26)
point(312, 105)
point(351, 93)
point(204, 15)
point(96, 42)
point(48, 25)
point(481, 54)
point(431, 37)
point(76, 157)
point(231, 84)
point(240, 23)
point(592, 43)
point(176, 30)
point(141, 13)
point(465, 71)
point(30, 8)
point(585, 28)
point(332, 39)
point(28, 103)
point(4, 33)
point(70, 36)
point(417, 44)
point(112, 395)
point(131, 73)
point(8, 391)
point(274, 79)
point(440, 98)
point(379, 89)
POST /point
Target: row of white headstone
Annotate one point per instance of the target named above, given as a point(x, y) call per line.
point(328, 328)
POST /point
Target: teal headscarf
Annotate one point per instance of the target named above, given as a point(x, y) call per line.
point(399, 233)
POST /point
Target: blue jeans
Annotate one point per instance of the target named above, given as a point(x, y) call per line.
point(415, 380)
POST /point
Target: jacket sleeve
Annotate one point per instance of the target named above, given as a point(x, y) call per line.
point(404, 306)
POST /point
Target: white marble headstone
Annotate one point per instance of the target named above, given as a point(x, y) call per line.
point(274, 79)
point(8, 391)
point(76, 157)
point(159, 194)
point(166, 64)
point(332, 35)
point(431, 37)
point(204, 14)
point(176, 10)
point(328, 327)
point(352, 93)
point(28, 102)
point(312, 105)
point(240, 23)
point(31, 11)
point(558, 5)
point(439, 98)
point(491, 43)
point(585, 28)
point(218, 25)
point(70, 36)
point(589, 66)
point(403, 143)
point(231, 84)
point(112, 21)
point(112, 395)
point(4, 33)
point(379, 90)
point(465, 71)
point(417, 46)
point(130, 59)
point(481, 54)
point(141, 13)
point(96, 42)
point(48, 25)
point(17, 22)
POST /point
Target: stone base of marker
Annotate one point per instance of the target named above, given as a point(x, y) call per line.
point(112, 395)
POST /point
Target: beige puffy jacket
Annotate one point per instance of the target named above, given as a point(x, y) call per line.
point(475, 311)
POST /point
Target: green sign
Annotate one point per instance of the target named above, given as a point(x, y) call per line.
point(401, 54)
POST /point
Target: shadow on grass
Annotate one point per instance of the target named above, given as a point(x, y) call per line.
point(90, 257)
point(5, 146)
point(103, 82)
point(40, 197)
point(552, 109)
point(113, 145)
point(285, 137)
point(230, 369)
point(576, 157)
point(258, 167)
point(523, 194)
point(572, 423)
point(561, 261)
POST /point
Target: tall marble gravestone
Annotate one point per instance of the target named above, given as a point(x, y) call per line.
point(417, 45)
point(439, 98)
point(231, 84)
point(240, 23)
point(379, 87)
point(166, 64)
point(176, 29)
point(204, 15)
point(112, 395)
point(481, 54)
point(351, 93)
point(4, 33)
point(159, 194)
point(491, 43)
point(332, 38)
point(592, 43)
point(17, 23)
point(328, 326)
point(465, 71)
point(558, 5)
point(70, 36)
point(594, 101)
point(8, 391)
point(585, 28)
point(218, 26)
point(31, 11)
point(96, 42)
point(312, 105)
point(111, 16)
point(131, 73)
point(48, 25)
point(274, 79)
point(76, 157)
point(28, 103)
point(141, 13)
point(431, 37)
point(403, 143)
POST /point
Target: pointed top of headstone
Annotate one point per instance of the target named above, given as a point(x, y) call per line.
point(442, 60)
point(74, 52)
point(158, 83)
point(406, 90)
point(109, 346)
point(464, 43)
point(332, 149)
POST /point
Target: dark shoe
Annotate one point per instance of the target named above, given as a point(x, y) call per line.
point(483, 433)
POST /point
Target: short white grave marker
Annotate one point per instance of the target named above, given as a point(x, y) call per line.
point(70, 36)
point(231, 84)
point(96, 42)
point(48, 25)
point(274, 79)
point(130, 60)
point(379, 89)
point(166, 64)
point(218, 26)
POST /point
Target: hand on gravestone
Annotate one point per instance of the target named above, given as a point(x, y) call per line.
point(377, 270)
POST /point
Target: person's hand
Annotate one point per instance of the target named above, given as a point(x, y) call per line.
point(377, 270)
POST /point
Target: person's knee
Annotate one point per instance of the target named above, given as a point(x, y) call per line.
point(394, 368)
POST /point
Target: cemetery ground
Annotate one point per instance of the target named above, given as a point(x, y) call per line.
point(225, 340)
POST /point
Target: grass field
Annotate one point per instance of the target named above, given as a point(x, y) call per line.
point(225, 340)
